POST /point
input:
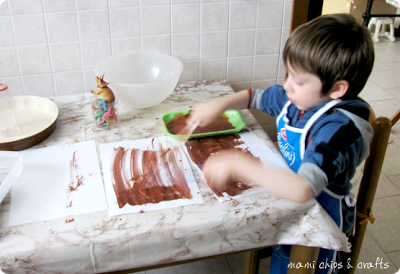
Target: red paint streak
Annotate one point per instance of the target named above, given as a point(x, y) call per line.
point(69, 220)
point(148, 176)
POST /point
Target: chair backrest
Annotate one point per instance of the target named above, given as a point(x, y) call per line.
point(369, 182)
point(395, 117)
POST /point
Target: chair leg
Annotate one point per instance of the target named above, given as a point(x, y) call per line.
point(375, 38)
point(391, 35)
point(251, 262)
point(371, 23)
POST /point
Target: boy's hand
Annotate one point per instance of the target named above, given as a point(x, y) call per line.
point(218, 171)
point(229, 165)
point(209, 112)
point(205, 113)
point(221, 168)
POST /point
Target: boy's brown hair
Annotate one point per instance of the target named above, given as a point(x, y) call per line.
point(332, 47)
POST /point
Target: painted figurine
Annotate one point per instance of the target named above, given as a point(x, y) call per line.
point(109, 116)
point(103, 90)
point(104, 108)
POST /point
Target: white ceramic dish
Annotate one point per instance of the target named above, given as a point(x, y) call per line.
point(141, 80)
point(37, 118)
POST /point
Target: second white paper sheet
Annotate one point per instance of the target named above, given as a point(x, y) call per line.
point(133, 184)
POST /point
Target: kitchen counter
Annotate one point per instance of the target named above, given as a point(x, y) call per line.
point(95, 243)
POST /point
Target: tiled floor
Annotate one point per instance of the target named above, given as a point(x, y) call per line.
point(382, 240)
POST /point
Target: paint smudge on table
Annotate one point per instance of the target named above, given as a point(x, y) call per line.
point(200, 149)
point(148, 176)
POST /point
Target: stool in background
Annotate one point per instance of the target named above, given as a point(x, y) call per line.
point(380, 27)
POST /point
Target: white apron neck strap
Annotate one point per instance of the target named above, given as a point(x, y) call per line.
point(312, 120)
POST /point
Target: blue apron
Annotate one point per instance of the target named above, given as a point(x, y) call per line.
point(292, 143)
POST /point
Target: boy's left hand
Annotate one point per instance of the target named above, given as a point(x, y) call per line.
point(218, 170)
point(229, 166)
point(221, 168)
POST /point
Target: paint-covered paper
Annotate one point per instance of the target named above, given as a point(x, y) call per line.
point(198, 150)
point(57, 182)
point(147, 174)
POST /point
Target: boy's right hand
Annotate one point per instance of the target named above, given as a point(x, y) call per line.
point(205, 113)
point(209, 112)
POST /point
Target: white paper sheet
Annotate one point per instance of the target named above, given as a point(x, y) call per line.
point(258, 149)
point(57, 182)
point(108, 157)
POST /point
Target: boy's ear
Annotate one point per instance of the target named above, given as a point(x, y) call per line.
point(339, 89)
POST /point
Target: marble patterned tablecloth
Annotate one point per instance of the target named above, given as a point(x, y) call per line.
point(96, 243)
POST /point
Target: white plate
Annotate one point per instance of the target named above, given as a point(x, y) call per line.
point(36, 117)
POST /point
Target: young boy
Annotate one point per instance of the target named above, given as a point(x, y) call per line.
point(323, 130)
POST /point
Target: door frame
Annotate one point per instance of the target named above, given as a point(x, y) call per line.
point(304, 11)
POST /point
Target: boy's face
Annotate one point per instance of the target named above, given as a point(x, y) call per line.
point(303, 88)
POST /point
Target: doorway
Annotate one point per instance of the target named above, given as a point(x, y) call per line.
point(304, 11)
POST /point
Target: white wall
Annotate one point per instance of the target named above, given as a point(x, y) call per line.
point(50, 47)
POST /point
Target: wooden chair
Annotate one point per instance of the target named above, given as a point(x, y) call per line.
point(395, 117)
point(366, 193)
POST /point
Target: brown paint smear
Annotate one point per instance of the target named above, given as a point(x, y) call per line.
point(75, 182)
point(148, 176)
point(200, 149)
point(76, 175)
point(178, 123)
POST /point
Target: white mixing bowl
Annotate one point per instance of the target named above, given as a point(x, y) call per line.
point(141, 80)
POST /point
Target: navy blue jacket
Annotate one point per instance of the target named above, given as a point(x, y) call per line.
point(336, 144)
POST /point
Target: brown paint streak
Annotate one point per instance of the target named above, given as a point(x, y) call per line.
point(69, 204)
point(178, 123)
point(76, 175)
point(76, 181)
point(138, 176)
point(200, 149)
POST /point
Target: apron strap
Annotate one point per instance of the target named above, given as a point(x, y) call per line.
point(312, 120)
point(283, 111)
point(350, 199)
